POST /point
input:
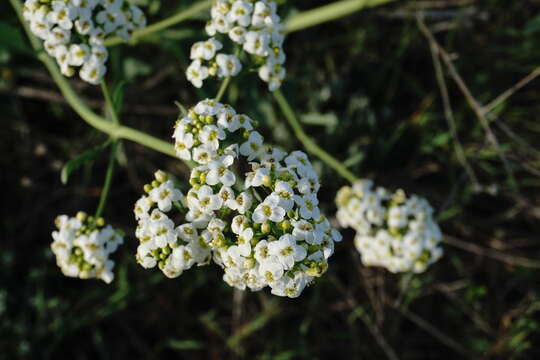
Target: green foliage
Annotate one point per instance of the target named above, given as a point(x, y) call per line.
point(364, 89)
point(81, 160)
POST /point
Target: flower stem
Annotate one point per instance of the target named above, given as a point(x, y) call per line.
point(308, 143)
point(108, 102)
point(296, 22)
point(94, 120)
point(223, 88)
point(328, 12)
point(108, 179)
point(163, 24)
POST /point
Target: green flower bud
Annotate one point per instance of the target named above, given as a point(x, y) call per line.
point(265, 228)
point(285, 225)
point(161, 176)
point(81, 215)
point(100, 221)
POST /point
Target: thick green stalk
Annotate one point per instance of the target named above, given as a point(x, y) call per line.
point(163, 24)
point(108, 179)
point(94, 120)
point(223, 88)
point(308, 143)
point(114, 149)
point(329, 12)
point(109, 103)
point(296, 22)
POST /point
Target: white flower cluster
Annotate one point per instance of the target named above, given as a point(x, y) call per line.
point(253, 26)
point(82, 246)
point(392, 230)
point(265, 229)
point(73, 31)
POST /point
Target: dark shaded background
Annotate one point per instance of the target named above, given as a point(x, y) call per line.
point(366, 90)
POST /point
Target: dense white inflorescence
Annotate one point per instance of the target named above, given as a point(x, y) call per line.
point(83, 245)
point(251, 26)
point(73, 31)
point(392, 230)
point(263, 228)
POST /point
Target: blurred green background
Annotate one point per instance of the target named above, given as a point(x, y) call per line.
point(365, 88)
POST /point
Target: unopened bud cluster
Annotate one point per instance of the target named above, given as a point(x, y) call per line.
point(263, 228)
point(253, 26)
point(73, 31)
point(392, 230)
point(83, 245)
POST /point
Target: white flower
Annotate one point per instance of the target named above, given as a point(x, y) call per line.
point(163, 232)
point(187, 232)
point(271, 271)
point(165, 195)
point(290, 286)
point(239, 223)
point(393, 231)
point(273, 74)
point(58, 36)
point(242, 203)
point(308, 206)
point(237, 34)
point(257, 43)
point(240, 13)
point(286, 195)
point(210, 136)
point(78, 54)
point(219, 172)
point(82, 247)
point(287, 251)
point(204, 153)
point(228, 65)
point(269, 209)
point(62, 14)
point(196, 73)
point(221, 24)
point(244, 238)
point(206, 200)
point(208, 49)
point(253, 146)
point(92, 72)
point(184, 142)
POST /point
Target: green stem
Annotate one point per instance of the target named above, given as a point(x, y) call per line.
point(329, 12)
point(308, 143)
point(108, 179)
point(163, 24)
point(94, 120)
point(223, 88)
point(297, 22)
point(109, 103)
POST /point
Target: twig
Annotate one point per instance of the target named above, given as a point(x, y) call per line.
point(505, 95)
point(376, 305)
point(491, 253)
point(223, 88)
point(238, 309)
point(476, 318)
point(473, 103)
point(310, 145)
point(449, 115)
point(433, 331)
point(371, 326)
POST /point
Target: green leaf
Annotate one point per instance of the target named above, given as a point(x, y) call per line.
point(185, 344)
point(12, 39)
point(532, 25)
point(329, 120)
point(118, 96)
point(82, 159)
